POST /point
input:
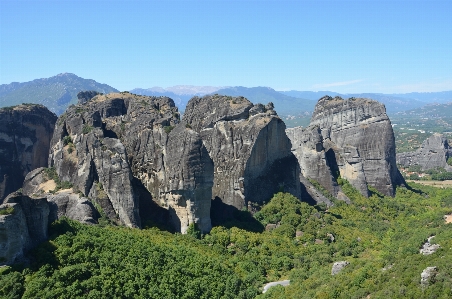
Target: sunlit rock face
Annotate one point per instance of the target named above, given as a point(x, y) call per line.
point(123, 151)
point(352, 139)
point(249, 148)
point(25, 134)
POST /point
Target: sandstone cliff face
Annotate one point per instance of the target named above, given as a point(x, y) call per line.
point(433, 153)
point(25, 134)
point(249, 148)
point(351, 138)
point(121, 142)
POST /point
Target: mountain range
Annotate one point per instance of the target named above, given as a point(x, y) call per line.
point(56, 93)
point(296, 107)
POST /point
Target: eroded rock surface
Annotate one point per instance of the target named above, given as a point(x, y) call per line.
point(352, 138)
point(14, 237)
point(122, 150)
point(433, 153)
point(25, 134)
point(25, 227)
point(249, 148)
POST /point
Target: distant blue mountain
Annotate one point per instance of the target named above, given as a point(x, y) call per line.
point(56, 93)
point(284, 104)
point(428, 97)
point(394, 102)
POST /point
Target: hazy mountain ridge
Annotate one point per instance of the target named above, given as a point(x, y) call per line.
point(284, 104)
point(56, 93)
point(295, 107)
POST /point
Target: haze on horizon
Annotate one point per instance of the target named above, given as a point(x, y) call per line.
point(346, 46)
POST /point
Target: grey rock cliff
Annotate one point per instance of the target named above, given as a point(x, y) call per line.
point(249, 148)
point(352, 138)
point(129, 149)
point(24, 228)
point(14, 237)
point(433, 153)
point(25, 134)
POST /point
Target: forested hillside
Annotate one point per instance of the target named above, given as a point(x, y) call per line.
point(379, 236)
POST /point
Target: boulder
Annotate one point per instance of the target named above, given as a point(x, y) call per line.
point(70, 205)
point(428, 275)
point(429, 248)
point(338, 266)
point(25, 134)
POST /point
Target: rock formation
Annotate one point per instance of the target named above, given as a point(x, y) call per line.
point(428, 276)
point(122, 150)
point(249, 148)
point(352, 139)
point(338, 266)
point(31, 211)
point(433, 153)
point(85, 96)
point(25, 134)
point(24, 227)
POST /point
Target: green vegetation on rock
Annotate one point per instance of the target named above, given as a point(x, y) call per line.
point(7, 211)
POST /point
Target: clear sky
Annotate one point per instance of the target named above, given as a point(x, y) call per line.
point(344, 46)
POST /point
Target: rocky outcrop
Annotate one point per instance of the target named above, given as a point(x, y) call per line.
point(433, 153)
point(428, 276)
point(14, 237)
point(36, 211)
point(122, 150)
point(24, 226)
point(352, 139)
point(85, 96)
point(70, 205)
point(338, 266)
point(25, 134)
point(31, 211)
point(249, 148)
point(429, 248)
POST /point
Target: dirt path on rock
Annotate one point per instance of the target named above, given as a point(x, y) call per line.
point(47, 186)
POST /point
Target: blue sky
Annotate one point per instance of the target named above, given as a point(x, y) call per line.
point(345, 46)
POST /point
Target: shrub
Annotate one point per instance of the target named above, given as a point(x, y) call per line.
point(449, 161)
point(168, 129)
point(67, 140)
point(7, 211)
point(87, 128)
point(194, 231)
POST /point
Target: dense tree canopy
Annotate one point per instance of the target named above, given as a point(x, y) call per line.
point(380, 237)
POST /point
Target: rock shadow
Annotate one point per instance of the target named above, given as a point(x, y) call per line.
point(222, 214)
point(151, 214)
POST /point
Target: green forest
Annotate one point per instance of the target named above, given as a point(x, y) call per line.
point(379, 236)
